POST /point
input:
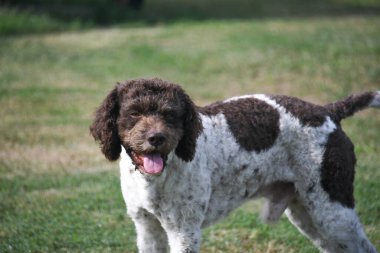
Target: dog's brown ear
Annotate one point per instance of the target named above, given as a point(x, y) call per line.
point(104, 128)
point(192, 128)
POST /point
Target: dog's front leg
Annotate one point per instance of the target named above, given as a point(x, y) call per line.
point(183, 222)
point(187, 240)
point(151, 238)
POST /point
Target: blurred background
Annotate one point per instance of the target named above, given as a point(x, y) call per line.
point(59, 59)
point(21, 16)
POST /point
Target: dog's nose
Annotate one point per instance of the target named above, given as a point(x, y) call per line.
point(156, 139)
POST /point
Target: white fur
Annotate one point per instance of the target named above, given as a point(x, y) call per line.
point(171, 209)
point(375, 101)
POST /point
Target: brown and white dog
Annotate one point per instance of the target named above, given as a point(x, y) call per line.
point(185, 167)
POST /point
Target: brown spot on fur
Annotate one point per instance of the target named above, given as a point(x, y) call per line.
point(338, 168)
point(308, 113)
point(254, 123)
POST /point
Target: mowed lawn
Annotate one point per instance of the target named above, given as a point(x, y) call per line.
point(57, 191)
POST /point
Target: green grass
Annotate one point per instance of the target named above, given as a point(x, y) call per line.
point(57, 192)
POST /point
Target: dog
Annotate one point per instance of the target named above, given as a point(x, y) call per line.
point(184, 167)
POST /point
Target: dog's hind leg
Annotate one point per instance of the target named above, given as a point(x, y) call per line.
point(280, 196)
point(299, 217)
point(330, 201)
point(339, 226)
point(333, 227)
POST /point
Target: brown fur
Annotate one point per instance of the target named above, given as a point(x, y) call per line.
point(104, 128)
point(137, 108)
point(338, 168)
point(254, 123)
point(348, 106)
point(308, 113)
point(137, 138)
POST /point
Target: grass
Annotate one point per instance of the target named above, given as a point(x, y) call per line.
point(57, 192)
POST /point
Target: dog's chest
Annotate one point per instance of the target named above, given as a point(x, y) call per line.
point(178, 188)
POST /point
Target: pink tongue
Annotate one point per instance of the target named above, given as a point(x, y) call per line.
point(153, 163)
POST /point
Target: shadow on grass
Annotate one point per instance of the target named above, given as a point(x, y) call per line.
point(18, 17)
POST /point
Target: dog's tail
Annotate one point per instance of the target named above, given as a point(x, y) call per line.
point(347, 107)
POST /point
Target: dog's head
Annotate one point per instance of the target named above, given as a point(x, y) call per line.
point(150, 118)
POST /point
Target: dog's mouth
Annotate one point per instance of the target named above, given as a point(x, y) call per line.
point(151, 163)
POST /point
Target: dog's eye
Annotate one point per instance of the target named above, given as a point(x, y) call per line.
point(134, 114)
